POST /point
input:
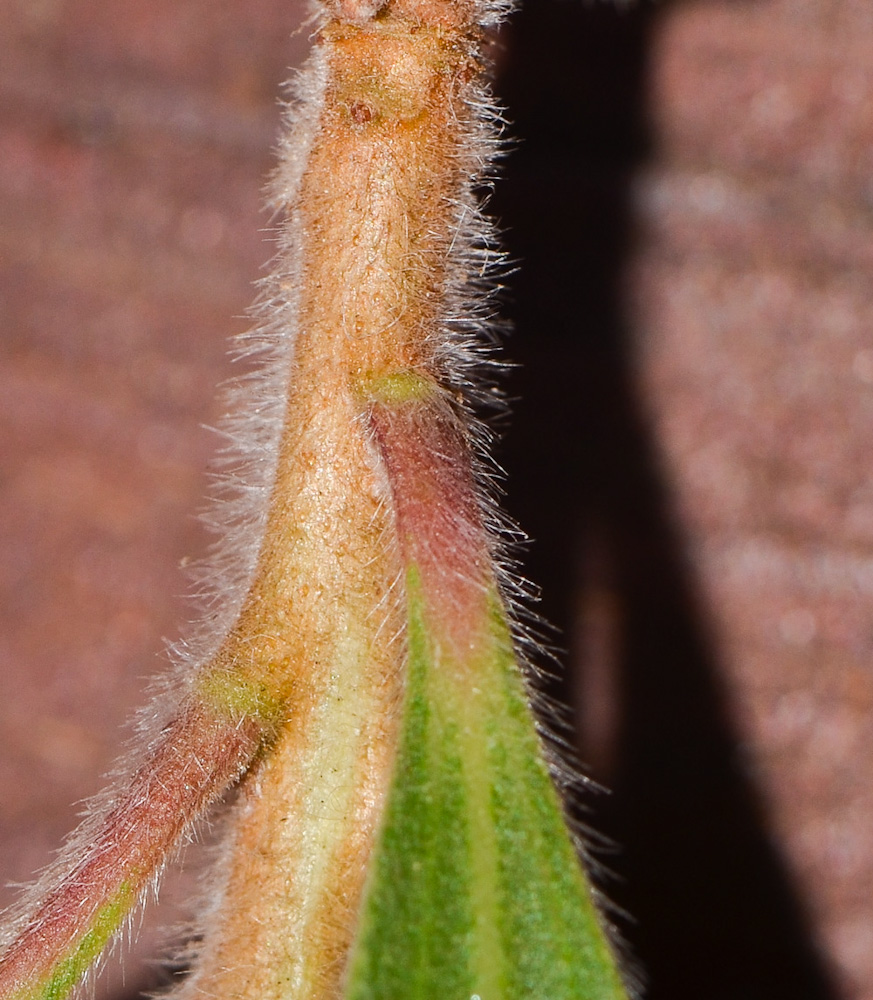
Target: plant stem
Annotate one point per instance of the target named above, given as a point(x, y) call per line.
point(197, 757)
point(370, 223)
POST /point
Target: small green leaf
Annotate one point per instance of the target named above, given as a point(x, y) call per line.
point(475, 889)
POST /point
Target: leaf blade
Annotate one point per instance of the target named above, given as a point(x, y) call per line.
point(510, 915)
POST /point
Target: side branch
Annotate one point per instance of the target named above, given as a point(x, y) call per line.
point(195, 759)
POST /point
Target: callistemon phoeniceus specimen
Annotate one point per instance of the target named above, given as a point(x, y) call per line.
point(396, 835)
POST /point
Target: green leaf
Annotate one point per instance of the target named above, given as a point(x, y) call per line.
point(475, 889)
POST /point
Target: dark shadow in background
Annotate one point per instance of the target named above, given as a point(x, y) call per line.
point(716, 916)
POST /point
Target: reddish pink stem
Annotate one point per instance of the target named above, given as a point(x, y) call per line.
point(439, 519)
point(195, 759)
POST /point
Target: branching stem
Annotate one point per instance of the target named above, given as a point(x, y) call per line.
point(398, 838)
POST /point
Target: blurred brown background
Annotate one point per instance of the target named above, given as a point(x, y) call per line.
point(691, 203)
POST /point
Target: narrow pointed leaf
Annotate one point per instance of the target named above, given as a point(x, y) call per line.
point(475, 888)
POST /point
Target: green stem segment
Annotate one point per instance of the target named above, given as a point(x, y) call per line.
point(475, 889)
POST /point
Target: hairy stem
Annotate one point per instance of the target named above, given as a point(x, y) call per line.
point(199, 754)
